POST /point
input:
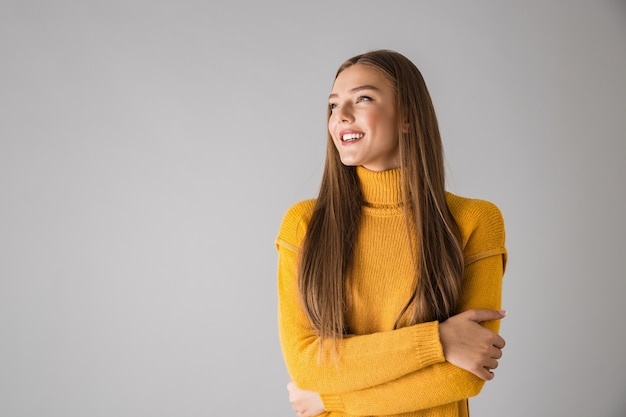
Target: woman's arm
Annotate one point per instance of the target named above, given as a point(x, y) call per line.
point(468, 341)
point(440, 383)
point(362, 361)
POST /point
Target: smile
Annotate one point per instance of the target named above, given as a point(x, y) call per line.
point(351, 136)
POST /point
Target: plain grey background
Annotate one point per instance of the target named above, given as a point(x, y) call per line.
point(149, 149)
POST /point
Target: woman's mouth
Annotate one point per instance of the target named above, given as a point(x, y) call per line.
point(349, 137)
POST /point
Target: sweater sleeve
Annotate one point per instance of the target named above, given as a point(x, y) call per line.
point(441, 383)
point(363, 361)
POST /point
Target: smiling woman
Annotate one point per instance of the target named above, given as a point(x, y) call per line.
point(389, 286)
point(363, 118)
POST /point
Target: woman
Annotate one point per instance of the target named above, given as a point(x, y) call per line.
point(389, 287)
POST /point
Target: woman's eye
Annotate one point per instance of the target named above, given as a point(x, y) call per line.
point(363, 98)
point(332, 106)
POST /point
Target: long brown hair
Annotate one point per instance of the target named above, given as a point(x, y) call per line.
point(329, 242)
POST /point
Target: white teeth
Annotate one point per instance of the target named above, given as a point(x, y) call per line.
point(352, 136)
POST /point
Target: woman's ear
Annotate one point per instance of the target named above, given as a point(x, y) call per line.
point(405, 127)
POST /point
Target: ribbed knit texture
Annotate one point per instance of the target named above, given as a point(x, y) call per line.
point(381, 371)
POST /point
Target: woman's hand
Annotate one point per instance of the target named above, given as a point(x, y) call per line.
point(305, 403)
point(469, 345)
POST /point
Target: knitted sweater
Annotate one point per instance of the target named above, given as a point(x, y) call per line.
point(381, 371)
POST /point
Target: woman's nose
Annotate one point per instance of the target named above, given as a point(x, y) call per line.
point(344, 114)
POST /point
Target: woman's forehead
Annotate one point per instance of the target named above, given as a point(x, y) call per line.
point(357, 76)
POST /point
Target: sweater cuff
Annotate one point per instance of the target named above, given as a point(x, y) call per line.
point(332, 402)
point(428, 343)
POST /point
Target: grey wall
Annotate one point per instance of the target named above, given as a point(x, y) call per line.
point(148, 150)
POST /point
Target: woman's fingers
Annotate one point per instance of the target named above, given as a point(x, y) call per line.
point(304, 403)
point(483, 315)
point(470, 346)
point(491, 364)
point(499, 341)
point(496, 353)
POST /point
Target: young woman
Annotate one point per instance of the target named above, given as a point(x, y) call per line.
point(389, 287)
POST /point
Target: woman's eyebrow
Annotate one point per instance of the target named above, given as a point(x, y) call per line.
point(356, 89)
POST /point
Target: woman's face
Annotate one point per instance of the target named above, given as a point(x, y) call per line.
point(363, 122)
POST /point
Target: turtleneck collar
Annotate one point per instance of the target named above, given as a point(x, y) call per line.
point(380, 188)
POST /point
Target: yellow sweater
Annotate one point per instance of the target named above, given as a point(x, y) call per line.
point(381, 371)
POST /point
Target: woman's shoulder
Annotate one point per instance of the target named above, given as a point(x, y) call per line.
point(294, 224)
point(470, 210)
point(480, 222)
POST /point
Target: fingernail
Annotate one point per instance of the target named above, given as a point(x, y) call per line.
point(503, 312)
